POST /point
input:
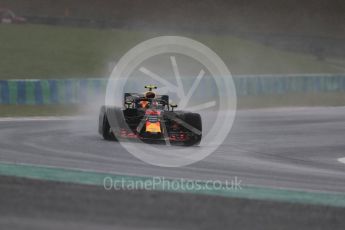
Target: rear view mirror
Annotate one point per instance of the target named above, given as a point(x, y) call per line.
point(173, 106)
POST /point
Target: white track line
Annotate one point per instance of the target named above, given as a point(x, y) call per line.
point(342, 160)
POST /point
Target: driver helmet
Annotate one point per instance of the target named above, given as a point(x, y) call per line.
point(150, 95)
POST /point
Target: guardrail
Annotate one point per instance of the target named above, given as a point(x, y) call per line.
point(73, 91)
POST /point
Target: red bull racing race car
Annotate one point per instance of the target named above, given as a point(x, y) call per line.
point(149, 117)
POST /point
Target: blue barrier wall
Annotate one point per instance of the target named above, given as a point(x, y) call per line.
point(71, 91)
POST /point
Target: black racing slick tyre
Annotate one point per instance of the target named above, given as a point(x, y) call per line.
point(194, 120)
point(104, 126)
point(106, 130)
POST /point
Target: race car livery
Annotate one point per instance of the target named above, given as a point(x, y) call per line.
point(150, 117)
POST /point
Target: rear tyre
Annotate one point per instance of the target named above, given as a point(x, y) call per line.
point(193, 119)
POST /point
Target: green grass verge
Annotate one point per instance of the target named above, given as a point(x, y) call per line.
point(37, 51)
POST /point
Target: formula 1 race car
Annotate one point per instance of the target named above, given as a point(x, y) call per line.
point(149, 117)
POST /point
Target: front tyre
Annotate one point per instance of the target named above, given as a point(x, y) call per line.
point(106, 130)
point(103, 125)
point(193, 119)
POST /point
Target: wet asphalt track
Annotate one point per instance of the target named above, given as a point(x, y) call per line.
point(293, 148)
point(289, 148)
